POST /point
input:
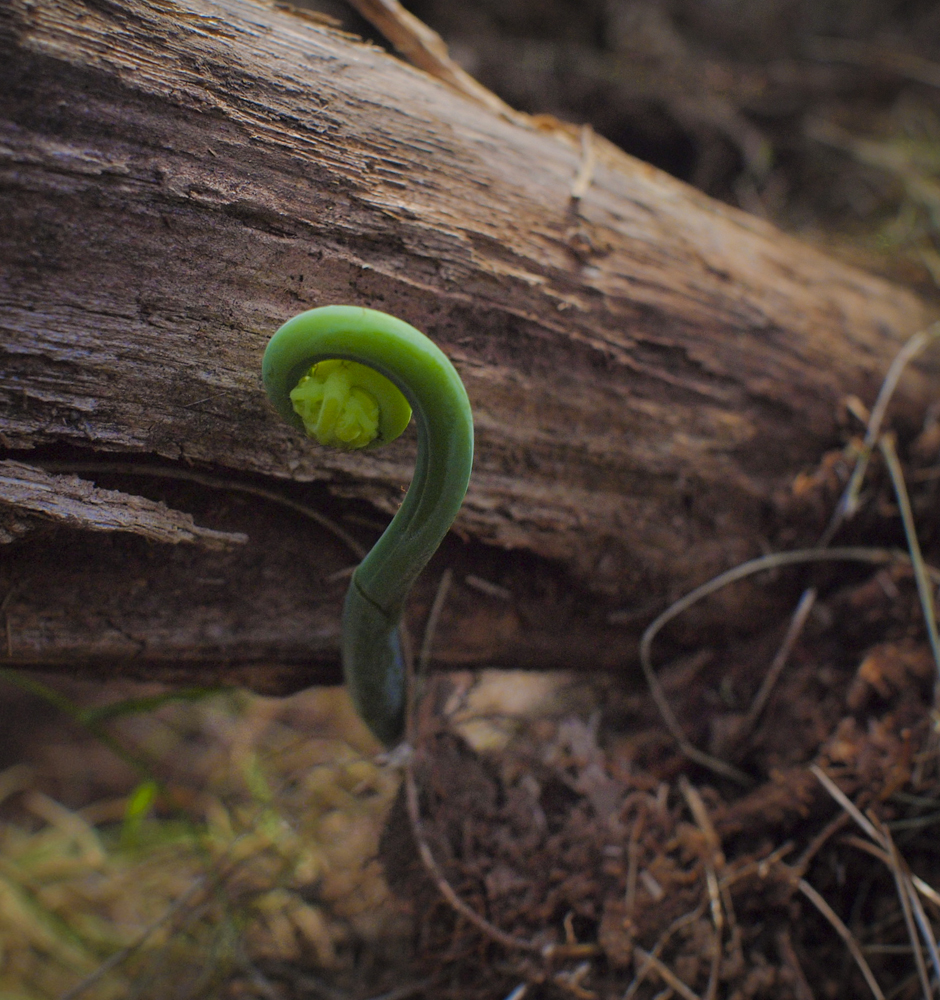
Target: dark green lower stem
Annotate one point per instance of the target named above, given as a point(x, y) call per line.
point(373, 665)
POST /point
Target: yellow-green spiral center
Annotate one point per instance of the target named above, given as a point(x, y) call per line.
point(344, 404)
point(333, 410)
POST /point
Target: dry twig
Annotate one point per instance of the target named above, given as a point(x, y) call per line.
point(440, 598)
point(424, 47)
point(412, 802)
point(443, 886)
point(644, 966)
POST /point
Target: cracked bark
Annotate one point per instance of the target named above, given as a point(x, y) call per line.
point(44, 500)
point(648, 369)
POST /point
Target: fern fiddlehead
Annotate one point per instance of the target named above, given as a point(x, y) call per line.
point(351, 377)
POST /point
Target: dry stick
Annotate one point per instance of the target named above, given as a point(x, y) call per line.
point(847, 804)
point(740, 572)
point(886, 443)
point(761, 868)
point(416, 677)
point(140, 989)
point(912, 883)
point(797, 623)
point(826, 910)
point(443, 886)
point(588, 164)
point(819, 842)
point(443, 588)
point(927, 891)
point(869, 848)
point(424, 48)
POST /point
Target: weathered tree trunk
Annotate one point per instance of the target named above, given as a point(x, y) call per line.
point(648, 368)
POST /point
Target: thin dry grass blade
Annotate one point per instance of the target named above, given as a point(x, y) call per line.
point(674, 927)
point(847, 804)
point(430, 630)
point(913, 909)
point(114, 960)
point(848, 503)
point(883, 848)
point(886, 444)
point(827, 911)
point(666, 974)
point(797, 623)
point(740, 572)
point(905, 892)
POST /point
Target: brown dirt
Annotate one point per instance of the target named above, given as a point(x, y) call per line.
point(595, 840)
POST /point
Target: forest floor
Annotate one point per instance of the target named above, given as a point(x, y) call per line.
point(759, 819)
point(548, 835)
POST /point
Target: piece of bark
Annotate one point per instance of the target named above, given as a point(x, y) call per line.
point(648, 368)
point(266, 613)
point(29, 496)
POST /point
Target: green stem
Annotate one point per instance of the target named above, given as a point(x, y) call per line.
point(372, 660)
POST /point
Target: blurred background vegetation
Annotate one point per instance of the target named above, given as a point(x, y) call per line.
point(820, 116)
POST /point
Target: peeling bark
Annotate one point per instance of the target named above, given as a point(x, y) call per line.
point(67, 501)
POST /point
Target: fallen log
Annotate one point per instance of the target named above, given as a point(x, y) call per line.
point(648, 368)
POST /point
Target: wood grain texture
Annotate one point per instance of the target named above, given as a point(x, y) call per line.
point(67, 501)
point(648, 369)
